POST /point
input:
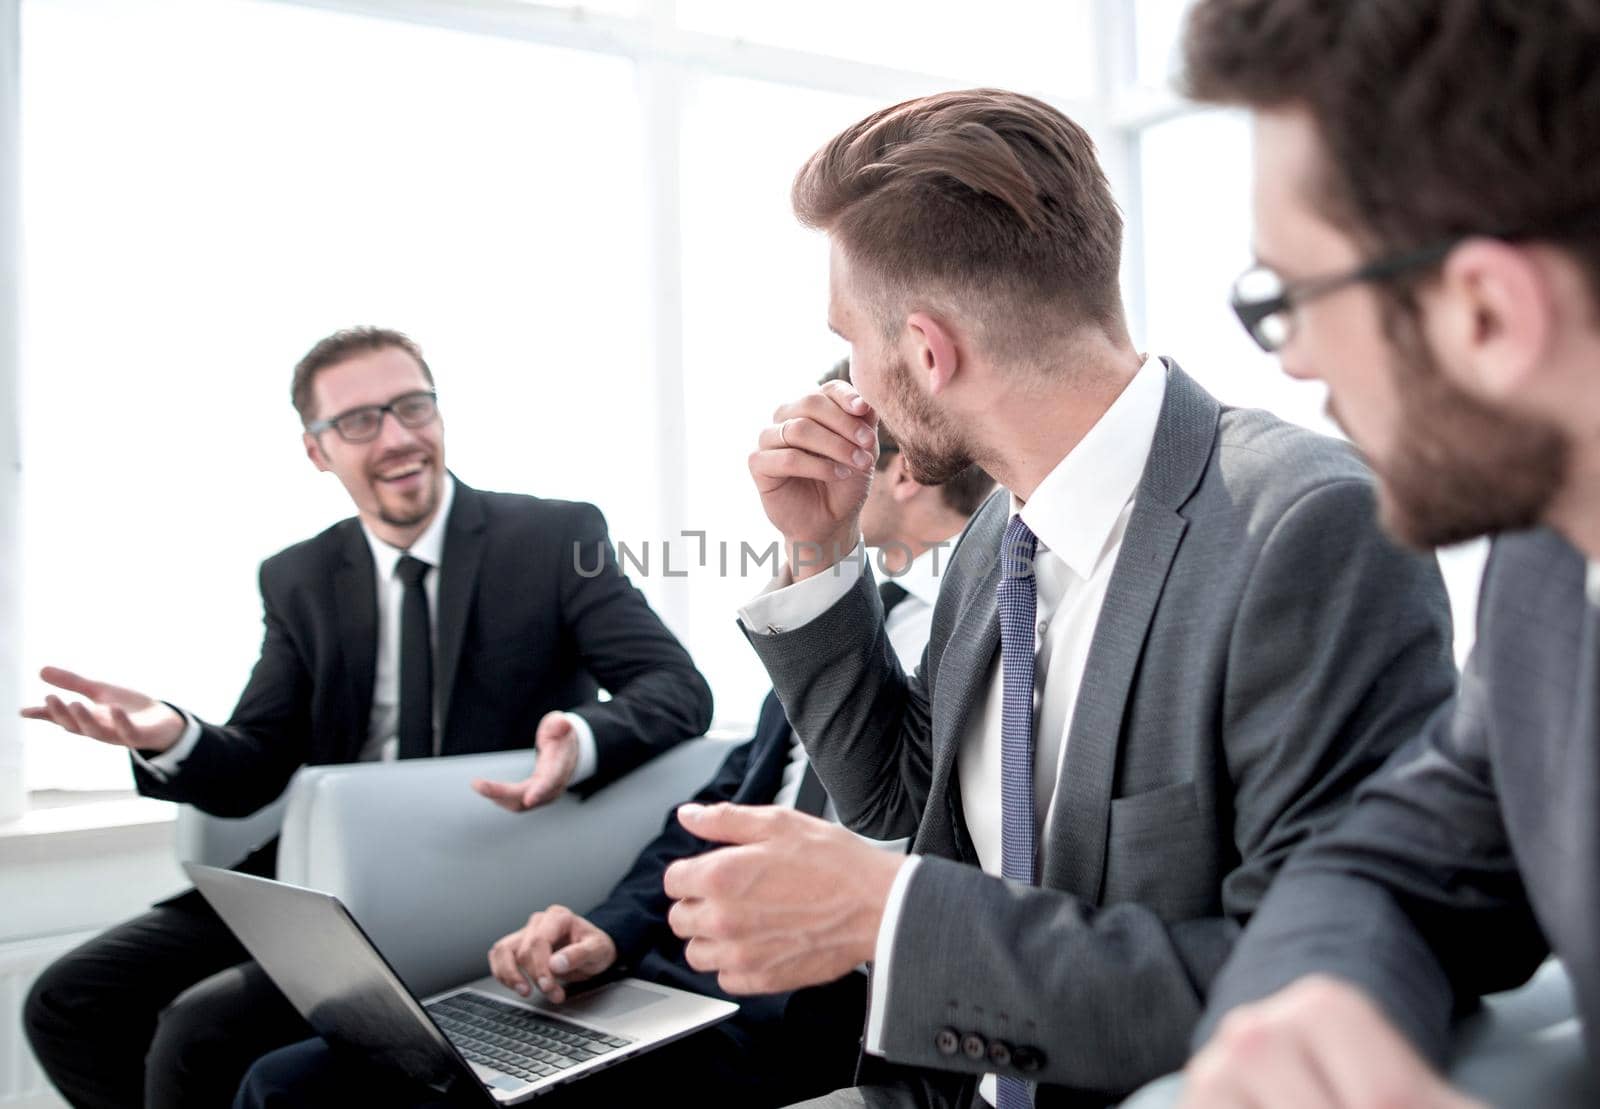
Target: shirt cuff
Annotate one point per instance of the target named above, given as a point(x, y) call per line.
point(883, 953)
point(588, 757)
point(166, 764)
point(786, 604)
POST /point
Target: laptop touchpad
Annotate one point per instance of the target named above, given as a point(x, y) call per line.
point(616, 1000)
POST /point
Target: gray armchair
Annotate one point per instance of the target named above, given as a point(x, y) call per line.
point(435, 873)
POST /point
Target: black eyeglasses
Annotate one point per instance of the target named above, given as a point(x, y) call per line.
point(1265, 302)
point(361, 425)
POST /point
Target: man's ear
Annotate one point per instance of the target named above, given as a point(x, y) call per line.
point(1492, 318)
point(897, 477)
point(314, 452)
point(935, 353)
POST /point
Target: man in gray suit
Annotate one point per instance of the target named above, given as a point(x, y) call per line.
point(1162, 657)
point(1430, 247)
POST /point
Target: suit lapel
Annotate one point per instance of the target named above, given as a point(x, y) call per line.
point(463, 554)
point(355, 596)
point(964, 674)
point(1074, 857)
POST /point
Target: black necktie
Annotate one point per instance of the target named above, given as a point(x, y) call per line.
point(812, 798)
point(416, 662)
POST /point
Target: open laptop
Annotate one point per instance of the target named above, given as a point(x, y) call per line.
point(477, 1042)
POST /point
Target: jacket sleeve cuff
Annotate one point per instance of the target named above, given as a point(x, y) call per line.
point(166, 764)
point(883, 955)
point(588, 756)
point(787, 604)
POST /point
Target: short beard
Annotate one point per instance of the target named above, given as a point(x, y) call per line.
point(932, 448)
point(1461, 468)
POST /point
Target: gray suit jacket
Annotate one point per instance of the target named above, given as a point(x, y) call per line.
point(1262, 648)
point(1478, 841)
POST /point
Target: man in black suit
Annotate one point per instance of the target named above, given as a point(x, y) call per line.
point(782, 1046)
point(1426, 198)
point(440, 621)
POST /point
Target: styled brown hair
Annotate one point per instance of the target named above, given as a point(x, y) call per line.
point(338, 347)
point(986, 196)
point(1437, 118)
point(962, 493)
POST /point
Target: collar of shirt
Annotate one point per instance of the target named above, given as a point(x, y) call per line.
point(921, 577)
point(1075, 508)
point(1592, 583)
point(429, 546)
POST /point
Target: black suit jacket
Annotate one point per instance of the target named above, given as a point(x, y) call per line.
point(534, 615)
point(635, 914)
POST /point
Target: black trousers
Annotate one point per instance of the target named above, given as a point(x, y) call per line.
point(164, 1010)
point(754, 1067)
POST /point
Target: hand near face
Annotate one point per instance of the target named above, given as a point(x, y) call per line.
point(556, 741)
point(812, 466)
point(555, 947)
point(109, 713)
point(1319, 1044)
point(793, 901)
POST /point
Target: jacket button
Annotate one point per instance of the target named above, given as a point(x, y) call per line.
point(1027, 1059)
point(974, 1046)
point(946, 1041)
point(1000, 1053)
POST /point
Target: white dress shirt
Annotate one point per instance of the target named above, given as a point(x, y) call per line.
point(1592, 583)
point(383, 727)
point(1079, 513)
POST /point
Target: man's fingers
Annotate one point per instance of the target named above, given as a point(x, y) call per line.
point(86, 724)
point(1269, 1065)
point(773, 468)
point(583, 958)
point(728, 823)
point(503, 965)
point(1361, 1057)
point(703, 954)
point(36, 712)
point(835, 403)
point(540, 789)
point(799, 434)
point(55, 710)
point(123, 728)
point(73, 682)
point(554, 725)
point(508, 795)
point(845, 395)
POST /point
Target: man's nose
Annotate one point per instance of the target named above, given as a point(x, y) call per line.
point(392, 433)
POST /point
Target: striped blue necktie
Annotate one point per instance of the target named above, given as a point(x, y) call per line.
point(1017, 602)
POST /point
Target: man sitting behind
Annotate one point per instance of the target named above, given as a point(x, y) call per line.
point(783, 1046)
point(440, 621)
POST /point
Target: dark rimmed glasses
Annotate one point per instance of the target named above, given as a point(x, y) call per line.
point(1265, 302)
point(361, 425)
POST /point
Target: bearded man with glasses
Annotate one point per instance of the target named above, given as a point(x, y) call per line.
point(440, 620)
point(1426, 190)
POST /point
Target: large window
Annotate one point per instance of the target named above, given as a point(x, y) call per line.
point(579, 209)
point(195, 217)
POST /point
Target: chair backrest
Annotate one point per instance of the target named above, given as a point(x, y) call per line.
point(223, 841)
point(436, 873)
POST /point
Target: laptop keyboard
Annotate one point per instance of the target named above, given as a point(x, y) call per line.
point(517, 1041)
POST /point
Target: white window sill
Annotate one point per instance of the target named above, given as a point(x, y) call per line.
point(68, 822)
